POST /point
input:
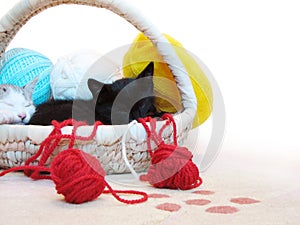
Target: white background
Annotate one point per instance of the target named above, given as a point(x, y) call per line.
point(251, 47)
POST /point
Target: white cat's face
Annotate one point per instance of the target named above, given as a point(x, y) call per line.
point(16, 103)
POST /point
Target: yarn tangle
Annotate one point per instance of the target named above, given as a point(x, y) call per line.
point(171, 165)
point(77, 175)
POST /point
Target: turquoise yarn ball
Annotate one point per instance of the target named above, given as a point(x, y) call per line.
point(19, 66)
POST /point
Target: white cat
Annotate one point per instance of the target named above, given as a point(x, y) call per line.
point(16, 105)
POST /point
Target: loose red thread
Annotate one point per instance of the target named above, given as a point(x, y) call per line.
point(171, 165)
point(77, 175)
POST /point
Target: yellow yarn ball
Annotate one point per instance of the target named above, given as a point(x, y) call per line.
point(142, 51)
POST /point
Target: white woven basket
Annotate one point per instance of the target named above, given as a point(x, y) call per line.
point(19, 142)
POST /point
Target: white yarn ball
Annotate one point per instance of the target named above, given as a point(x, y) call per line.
point(105, 69)
point(68, 73)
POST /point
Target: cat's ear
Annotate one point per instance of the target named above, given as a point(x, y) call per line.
point(28, 88)
point(148, 71)
point(95, 86)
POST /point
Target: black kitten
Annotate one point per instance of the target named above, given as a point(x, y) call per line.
point(124, 100)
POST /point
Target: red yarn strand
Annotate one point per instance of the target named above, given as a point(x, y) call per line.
point(148, 131)
point(92, 135)
point(19, 168)
point(134, 201)
point(170, 120)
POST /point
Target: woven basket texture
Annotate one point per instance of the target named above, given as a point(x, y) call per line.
point(16, 149)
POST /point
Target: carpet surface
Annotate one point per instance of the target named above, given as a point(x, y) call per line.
point(237, 189)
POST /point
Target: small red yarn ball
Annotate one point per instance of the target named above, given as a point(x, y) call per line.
point(172, 167)
point(78, 176)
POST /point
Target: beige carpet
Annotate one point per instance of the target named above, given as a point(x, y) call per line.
point(240, 188)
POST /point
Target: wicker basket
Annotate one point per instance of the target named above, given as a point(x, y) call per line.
point(18, 143)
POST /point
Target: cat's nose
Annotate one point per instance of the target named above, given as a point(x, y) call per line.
point(22, 116)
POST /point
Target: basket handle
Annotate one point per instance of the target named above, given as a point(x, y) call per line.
point(12, 22)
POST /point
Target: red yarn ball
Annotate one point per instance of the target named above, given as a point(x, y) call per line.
point(78, 176)
point(172, 167)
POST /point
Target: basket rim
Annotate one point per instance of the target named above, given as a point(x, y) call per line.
point(108, 134)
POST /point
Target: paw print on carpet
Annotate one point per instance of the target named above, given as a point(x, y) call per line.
point(171, 207)
point(221, 209)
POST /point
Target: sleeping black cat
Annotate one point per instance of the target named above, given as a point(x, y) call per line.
point(124, 100)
